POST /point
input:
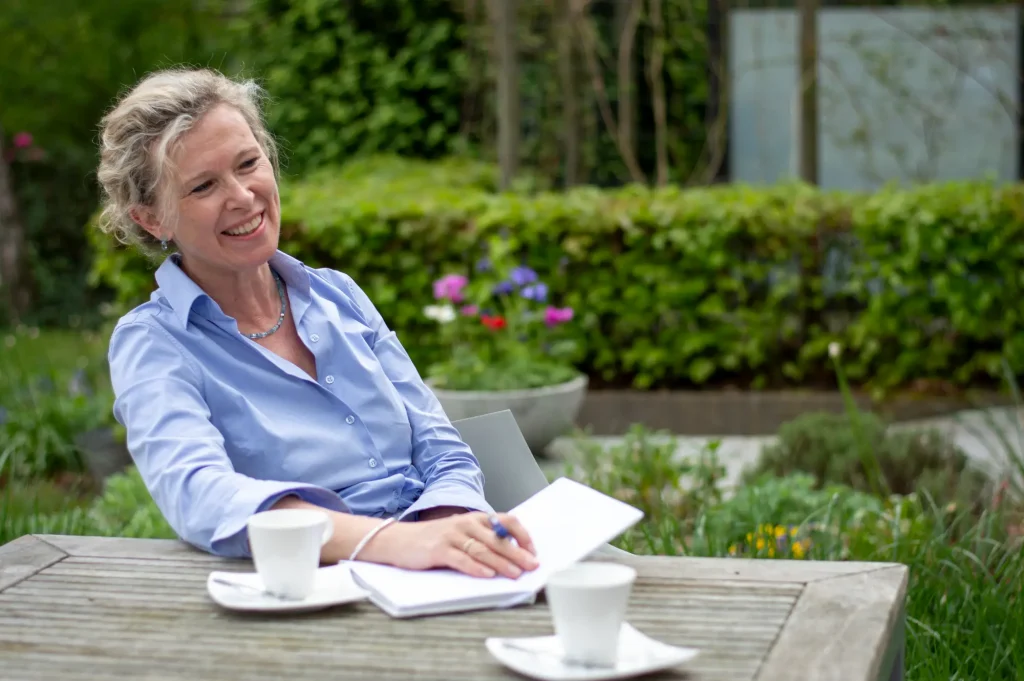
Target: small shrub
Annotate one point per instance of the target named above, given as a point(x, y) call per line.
point(126, 509)
point(828, 447)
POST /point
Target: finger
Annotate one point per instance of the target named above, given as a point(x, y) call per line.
point(518, 532)
point(463, 562)
point(501, 554)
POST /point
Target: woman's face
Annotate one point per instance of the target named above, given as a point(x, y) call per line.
point(225, 196)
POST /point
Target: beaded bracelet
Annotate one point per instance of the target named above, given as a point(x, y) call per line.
point(370, 535)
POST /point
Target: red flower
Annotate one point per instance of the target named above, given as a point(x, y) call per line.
point(493, 322)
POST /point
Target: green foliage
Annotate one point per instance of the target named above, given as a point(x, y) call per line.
point(680, 288)
point(645, 470)
point(352, 78)
point(80, 55)
point(123, 509)
point(826, 446)
point(53, 387)
point(126, 509)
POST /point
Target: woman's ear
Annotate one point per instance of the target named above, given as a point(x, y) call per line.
point(146, 218)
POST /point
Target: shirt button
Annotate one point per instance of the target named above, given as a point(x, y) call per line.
point(315, 338)
point(329, 379)
point(373, 463)
point(350, 419)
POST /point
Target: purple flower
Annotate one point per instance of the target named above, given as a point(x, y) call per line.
point(503, 287)
point(483, 264)
point(449, 287)
point(538, 292)
point(22, 140)
point(521, 276)
point(557, 315)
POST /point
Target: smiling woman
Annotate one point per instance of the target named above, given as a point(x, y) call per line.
point(250, 381)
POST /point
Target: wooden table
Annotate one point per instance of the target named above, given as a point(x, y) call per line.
point(103, 608)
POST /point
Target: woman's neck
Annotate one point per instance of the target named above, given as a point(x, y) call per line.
point(248, 296)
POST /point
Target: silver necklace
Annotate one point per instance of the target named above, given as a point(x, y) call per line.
point(280, 318)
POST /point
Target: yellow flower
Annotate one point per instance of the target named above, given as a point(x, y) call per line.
point(798, 550)
point(760, 543)
point(780, 531)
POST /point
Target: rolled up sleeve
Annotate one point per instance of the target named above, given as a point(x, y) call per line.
point(179, 452)
point(451, 473)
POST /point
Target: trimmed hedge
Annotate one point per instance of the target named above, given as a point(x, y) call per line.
point(677, 287)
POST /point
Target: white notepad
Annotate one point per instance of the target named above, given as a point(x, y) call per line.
point(567, 521)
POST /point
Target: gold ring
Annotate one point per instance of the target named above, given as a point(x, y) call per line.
point(467, 544)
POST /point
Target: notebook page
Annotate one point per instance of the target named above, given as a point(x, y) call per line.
point(567, 521)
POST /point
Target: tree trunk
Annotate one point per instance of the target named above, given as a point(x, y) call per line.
point(627, 19)
point(808, 82)
point(570, 105)
point(658, 92)
point(13, 280)
point(503, 20)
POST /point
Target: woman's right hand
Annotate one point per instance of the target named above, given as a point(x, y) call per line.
point(464, 542)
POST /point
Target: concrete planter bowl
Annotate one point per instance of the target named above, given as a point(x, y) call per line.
point(542, 414)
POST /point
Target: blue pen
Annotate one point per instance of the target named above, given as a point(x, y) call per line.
point(498, 528)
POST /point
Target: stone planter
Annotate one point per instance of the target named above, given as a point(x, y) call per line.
point(541, 413)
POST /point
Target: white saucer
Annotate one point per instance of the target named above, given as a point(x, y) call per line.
point(333, 586)
point(540, 657)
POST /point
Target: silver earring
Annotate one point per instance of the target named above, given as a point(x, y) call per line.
point(163, 244)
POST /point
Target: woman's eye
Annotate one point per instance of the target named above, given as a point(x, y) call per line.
point(202, 187)
point(251, 162)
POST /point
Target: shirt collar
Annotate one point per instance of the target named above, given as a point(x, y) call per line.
point(181, 292)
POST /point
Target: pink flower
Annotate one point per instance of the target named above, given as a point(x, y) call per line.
point(449, 287)
point(469, 310)
point(557, 315)
point(22, 140)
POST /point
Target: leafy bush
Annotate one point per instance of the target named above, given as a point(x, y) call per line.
point(53, 387)
point(123, 509)
point(680, 287)
point(828, 447)
point(359, 77)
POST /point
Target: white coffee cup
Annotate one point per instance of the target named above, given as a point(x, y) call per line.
point(285, 546)
point(588, 606)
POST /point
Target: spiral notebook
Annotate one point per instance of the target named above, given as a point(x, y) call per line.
point(567, 521)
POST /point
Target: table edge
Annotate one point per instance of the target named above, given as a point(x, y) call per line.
point(884, 601)
point(24, 557)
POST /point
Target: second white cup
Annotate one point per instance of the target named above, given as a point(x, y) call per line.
point(588, 604)
point(286, 547)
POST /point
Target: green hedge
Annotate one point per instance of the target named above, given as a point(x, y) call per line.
point(681, 287)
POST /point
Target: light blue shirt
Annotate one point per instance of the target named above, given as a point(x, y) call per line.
point(221, 428)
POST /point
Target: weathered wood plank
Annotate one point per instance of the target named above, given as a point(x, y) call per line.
point(732, 569)
point(24, 557)
point(744, 569)
point(120, 547)
point(840, 628)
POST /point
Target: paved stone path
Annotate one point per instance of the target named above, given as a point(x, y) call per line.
point(993, 440)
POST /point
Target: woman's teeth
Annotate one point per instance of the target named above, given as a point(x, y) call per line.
point(247, 228)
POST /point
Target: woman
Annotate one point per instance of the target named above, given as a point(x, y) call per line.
point(250, 381)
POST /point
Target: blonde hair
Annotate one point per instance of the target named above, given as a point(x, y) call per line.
point(139, 132)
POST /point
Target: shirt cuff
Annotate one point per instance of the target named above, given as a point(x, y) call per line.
point(447, 495)
point(231, 539)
